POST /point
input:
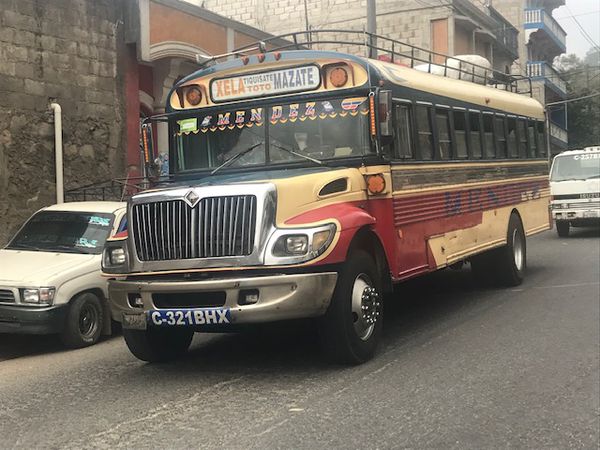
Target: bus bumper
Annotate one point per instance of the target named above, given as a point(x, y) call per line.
point(247, 300)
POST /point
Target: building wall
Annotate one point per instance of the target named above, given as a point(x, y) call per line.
point(63, 50)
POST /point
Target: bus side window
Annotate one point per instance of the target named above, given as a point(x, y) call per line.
point(500, 132)
point(488, 134)
point(425, 133)
point(522, 135)
point(541, 139)
point(442, 119)
point(475, 134)
point(511, 135)
point(403, 136)
point(533, 142)
point(460, 133)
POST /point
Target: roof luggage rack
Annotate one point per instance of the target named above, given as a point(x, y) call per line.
point(374, 46)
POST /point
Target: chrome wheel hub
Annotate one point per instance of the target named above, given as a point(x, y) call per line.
point(366, 306)
point(518, 253)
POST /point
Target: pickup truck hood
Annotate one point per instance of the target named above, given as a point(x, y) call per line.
point(22, 267)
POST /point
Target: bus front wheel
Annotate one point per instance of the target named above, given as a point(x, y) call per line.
point(351, 328)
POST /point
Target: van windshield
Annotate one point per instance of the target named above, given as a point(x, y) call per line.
point(62, 231)
point(584, 166)
point(270, 135)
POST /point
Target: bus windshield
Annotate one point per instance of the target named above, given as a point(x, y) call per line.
point(270, 135)
point(583, 166)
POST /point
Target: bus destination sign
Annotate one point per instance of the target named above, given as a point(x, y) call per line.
point(295, 79)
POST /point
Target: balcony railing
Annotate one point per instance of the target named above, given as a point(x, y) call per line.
point(539, 19)
point(540, 70)
point(559, 133)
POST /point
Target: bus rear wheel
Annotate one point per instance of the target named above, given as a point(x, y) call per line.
point(562, 228)
point(351, 328)
point(505, 265)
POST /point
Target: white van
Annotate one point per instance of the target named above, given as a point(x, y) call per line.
point(50, 279)
point(575, 186)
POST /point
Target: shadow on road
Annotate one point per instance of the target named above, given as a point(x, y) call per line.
point(295, 346)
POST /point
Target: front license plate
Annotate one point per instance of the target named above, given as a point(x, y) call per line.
point(189, 317)
point(134, 321)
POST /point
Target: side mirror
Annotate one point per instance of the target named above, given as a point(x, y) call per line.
point(384, 113)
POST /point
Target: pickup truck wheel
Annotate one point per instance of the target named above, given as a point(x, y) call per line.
point(562, 228)
point(351, 328)
point(158, 344)
point(84, 323)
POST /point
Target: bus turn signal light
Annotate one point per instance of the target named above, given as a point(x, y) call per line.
point(375, 184)
point(338, 77)
point(193, 95)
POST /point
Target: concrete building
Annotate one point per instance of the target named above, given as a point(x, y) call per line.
point(452, 27)
point(541, 40)
point(108, 63)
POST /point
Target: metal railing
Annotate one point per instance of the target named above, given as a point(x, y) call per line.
point(559, 133)
point(117, 189)
point(536, 17)
point(369, 45)
point(543, 70)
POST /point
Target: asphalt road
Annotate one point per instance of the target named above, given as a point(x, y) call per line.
point(460, 367)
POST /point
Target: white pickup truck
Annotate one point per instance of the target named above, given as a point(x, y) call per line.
point(575, 186)
point(50, 279)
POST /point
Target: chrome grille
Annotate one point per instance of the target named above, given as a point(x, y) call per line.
point(6, 296)
point(215, 227)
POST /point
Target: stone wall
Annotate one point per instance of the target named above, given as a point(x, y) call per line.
point(67, 51)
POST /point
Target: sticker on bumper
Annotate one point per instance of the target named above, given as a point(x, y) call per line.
point(189, 317)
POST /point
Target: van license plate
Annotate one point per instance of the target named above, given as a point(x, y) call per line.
point(134, 321)
point(590, 214)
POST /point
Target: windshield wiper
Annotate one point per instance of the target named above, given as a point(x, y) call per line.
point(289, 150)
point(68, 248)
point(236, 156)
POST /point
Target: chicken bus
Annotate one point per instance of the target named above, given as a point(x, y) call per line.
point(307, 183)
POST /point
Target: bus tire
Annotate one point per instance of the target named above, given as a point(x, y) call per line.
point(562, 228)
point(511, 260)
point(85, 321)
point(351, 328)
point(158, 344)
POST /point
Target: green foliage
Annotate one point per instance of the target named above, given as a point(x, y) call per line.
point(583, 79)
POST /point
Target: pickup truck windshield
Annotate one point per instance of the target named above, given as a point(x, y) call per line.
point(321, 130)
point(583, 166)
point(68, 232)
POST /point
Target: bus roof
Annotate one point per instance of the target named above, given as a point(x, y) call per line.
point(368, 69)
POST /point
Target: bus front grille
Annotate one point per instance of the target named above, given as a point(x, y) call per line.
point(214, 227)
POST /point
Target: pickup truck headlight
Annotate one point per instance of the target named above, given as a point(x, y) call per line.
point(115, 257)
point(39, 296)
point(296, 245)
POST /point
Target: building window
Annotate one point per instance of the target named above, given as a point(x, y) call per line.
point(443, 133)
point(425, 133)
point(460, 133)
point(403, 143)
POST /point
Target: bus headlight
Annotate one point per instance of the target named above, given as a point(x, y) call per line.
point(296, 245)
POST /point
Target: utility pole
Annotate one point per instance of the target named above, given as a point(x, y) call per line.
point(372, 27)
